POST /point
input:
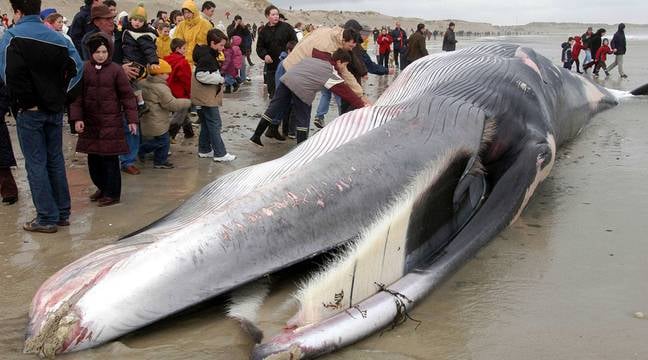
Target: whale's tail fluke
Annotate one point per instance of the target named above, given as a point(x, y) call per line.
point(641, 90)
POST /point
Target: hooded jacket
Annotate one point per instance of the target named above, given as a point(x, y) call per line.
point(578, 46)
point(161, 102)
point(107, 95)
point(180, 78)
point(193, 31)
point(619, 40)
point(163, 46)
point(206, 82)
point(139, 45)
point(233, 57)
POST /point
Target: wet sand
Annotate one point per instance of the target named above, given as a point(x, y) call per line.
point(563, 282)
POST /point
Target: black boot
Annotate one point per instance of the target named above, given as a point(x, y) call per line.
point(173, 130)
point(256, 137)
point(273, 132)
point(301, 136)
point(187, 129)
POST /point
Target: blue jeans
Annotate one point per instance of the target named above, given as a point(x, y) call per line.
point(133, 142)
point(588, 56)
point(210, 131)
point(41, 140)
point(325, 102)
point(158, 145)
point(229, 80)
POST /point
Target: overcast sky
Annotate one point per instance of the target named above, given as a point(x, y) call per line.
point(498, 12)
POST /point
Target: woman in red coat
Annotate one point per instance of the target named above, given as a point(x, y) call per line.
point(97, 116)
point(384, 47)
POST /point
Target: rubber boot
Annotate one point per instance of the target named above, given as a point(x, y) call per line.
point(273, 132)
point(256, 137)
point(8, 186)
point(301, 136)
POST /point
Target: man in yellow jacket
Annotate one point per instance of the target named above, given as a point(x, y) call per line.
point(193, 29)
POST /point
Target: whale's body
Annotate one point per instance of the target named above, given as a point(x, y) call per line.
point(445, 159)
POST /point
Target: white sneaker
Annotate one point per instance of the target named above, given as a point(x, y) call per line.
point(206, 155)
point(225, 158)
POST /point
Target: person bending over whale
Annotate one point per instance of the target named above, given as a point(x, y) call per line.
point(300, 85)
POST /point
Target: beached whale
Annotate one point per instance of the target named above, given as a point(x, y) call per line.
point(446, 158)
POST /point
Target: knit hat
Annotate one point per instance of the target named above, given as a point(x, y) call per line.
point(46, 12)
point(138, 13)
point(164, 68)
point(96, 40)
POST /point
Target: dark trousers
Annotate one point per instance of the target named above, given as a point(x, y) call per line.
point(158, 145)
point(285, 99)
point(269, 79)
point(41, 140)
point(396, 56)
point(8, 186)
point(384, 59)
point(105, 174)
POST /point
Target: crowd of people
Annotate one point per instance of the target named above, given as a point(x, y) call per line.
point(128, 84)
point(593, 48)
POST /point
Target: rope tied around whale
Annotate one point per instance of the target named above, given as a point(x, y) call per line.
point(402, 315)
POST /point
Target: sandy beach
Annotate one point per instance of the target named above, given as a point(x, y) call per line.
point(564, 282)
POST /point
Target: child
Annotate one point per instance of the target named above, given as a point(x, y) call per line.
point(576, 50)
point(97, 116)
point(155, 123)
point(138, 44)
point(232, 64)
point(55, 22)
point(566, 57)
point(180, 84)
point(601, 58)
point(206, 92)
point(163, 41)
point(300, 85)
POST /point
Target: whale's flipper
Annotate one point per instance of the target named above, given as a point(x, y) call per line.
point(641, 90)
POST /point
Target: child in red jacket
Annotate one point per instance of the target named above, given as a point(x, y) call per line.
point(180, 84)
point(601, 57)
point(232, 64)
point(576, 50)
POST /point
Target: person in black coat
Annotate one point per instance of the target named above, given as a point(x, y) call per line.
point(8, 188)
point(618, 45)
point(449, 39)
point(272, 40)
point(595, 44)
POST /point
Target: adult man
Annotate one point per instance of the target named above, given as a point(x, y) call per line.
point(272, 41)
point(400, 43)
point(39, 67)
point(207, 11)
point(416, 45)
point(618, 45)
point(449, 40)
point(193, 29)
point(102, 20)
point(81, 23)
point(237, 28)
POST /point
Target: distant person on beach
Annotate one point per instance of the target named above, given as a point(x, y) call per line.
point(399, 38)
point(618, 45)
point(97, 116)
point(416, 45)
point(375, 33)
point(586, 39)
point(594, 45)
point(81, 23)
point(384, 48)
point(576, 50)
point(449, 40)
point(40, 68)
point(566, 55)
point(601, 58)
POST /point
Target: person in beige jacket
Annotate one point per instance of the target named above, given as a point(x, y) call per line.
point(327, 40)
point(154, 124)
